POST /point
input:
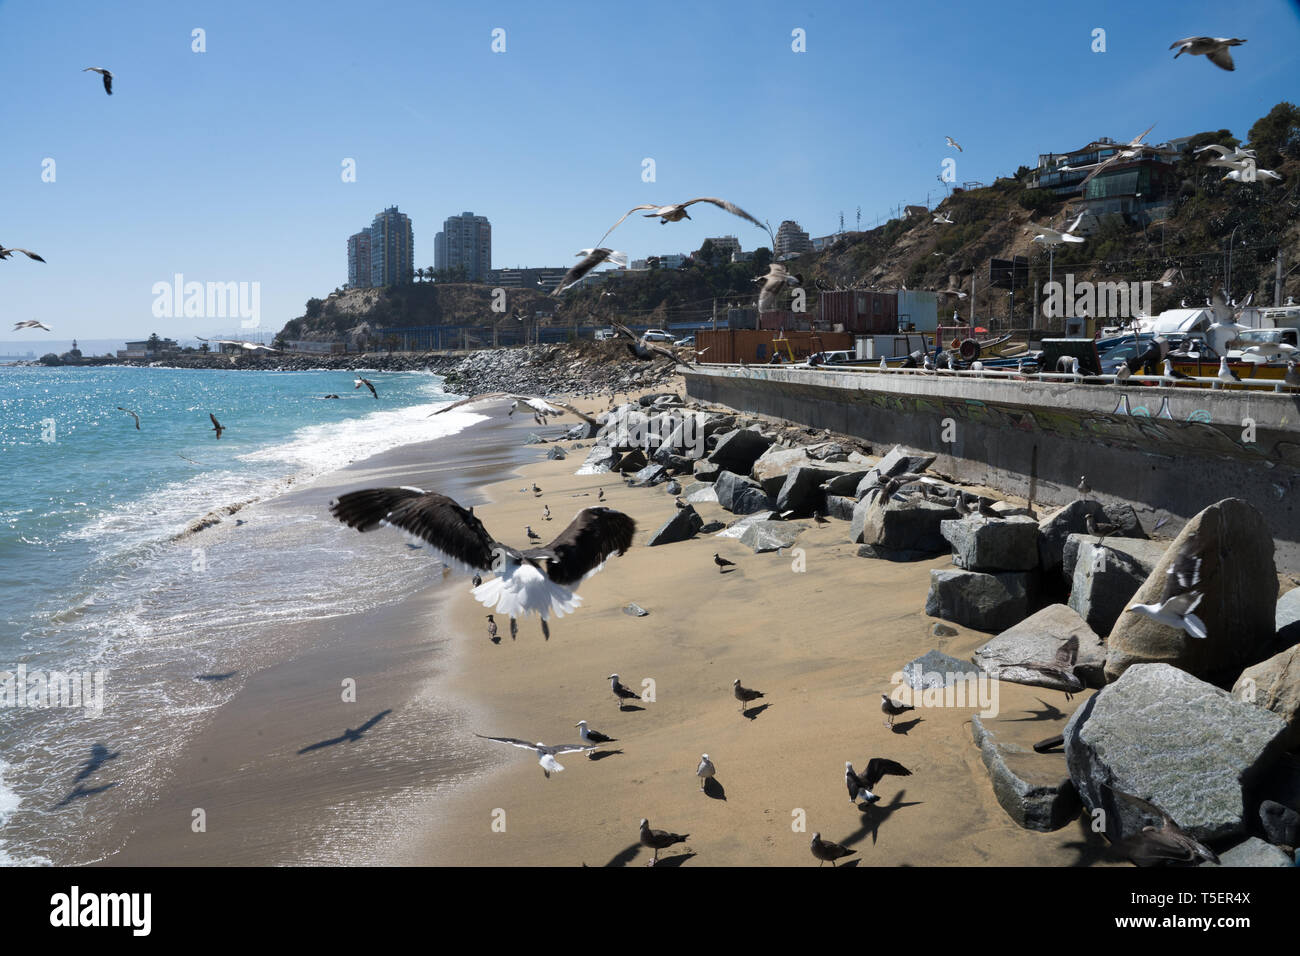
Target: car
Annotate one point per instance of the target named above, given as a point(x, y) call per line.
point(656, 335)
point(831, 358)
point(687, 342)
point(603, 334)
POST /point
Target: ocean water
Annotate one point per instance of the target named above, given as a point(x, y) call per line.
point(99, 576)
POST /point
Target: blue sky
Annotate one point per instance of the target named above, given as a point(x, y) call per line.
point(225, 165)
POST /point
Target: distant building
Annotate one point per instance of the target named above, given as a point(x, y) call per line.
point(315, 348)
point(392, 248)
point(142, 349)
point(465, 242)
point(359, 260)
point(791, 239)
point(726, 247)
point(545, 278)
point(1063, 173)
point(824, 242)
point(669, 261)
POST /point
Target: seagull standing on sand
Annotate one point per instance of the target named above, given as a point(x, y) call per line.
point(535, 580)
point(492, 629)
point(705, 771)
point(31, 324)
point(107, 75)
point(545, 755)
point(826, 851)
point(601, 496)
point(546, 512)
point(892, 708)
point(590, 736)
point(1214, 49)
point(659, 840)
point(722, 562)
point(744, 694)
point(877, 767)
point(621, 691)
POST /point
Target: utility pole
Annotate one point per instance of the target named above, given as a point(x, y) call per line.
point(1279, 265)
point(715, 313)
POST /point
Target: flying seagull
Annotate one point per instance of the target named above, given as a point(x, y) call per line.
point(744, 694)
point(31, 324)
point(621, 691)
point(108, 77)
point(6, 253)
point(541, 407)
point(358, 382)
point(659, 840)
point(877, 767)
point(216, 425)
point(1167, 279)
point(132, 414)
point(246, 346)
point(1214, 49)
point(777, 278)
point(943, 219)
point(1053, 237)
point(705, 770)
point(676, 212)
point(1132, 148)
point(642, 348)
point(545, 755)
point(1181, 593)
point(953, 143)
point(826, 851)
point(1057, 674)
point(1242, 176)
point(1176, 612)
point(954, 288)
point(1167, 843)
point(540, 580)
point(592, 258)
point(892, 708)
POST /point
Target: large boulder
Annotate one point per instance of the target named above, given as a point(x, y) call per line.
point(1274, 685)
point(1253, 852)
point(801, 491)
point(992, 544)
point(1034, 789)
point(1163, 735)
point(845, 482)
point(700, 492)
point(685, 523)
point(737, 528)
point(727, 484)
point(764, 536)
point(1281, 824)
point(774, 464)
point(1287, 618)
point(1037, 638)
point(1239, 588)
point(600, 459)
point(737, 451)
point(914, 525)
point(899, 460)
point(1104, 577)
point(705, 470)
point(839, 506)
point(1055, 528)
point(983, 602)
point(632, 461)
point(649, 476)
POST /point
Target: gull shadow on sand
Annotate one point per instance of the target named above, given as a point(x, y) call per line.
point(348, 733)
point(905, 726)
point(874, 814)
point(714, 790)
point(623, 707)
point(79, 791)
point(602, 754)
point(676, 860)
point(99, 755)
point(1091, 848)
point(626, 855)
point(1049, 712)
point(753, 712)
point(214, 677)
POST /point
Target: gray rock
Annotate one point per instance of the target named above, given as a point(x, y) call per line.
point(699, 493)
point(737, 451)
point(935, 669)
point(1160, 734)
point(705, 470)
point(557, 453)
point(845, 483)
point(1253, 852)
point(992, 544)
point(737, 527)
point(912, 525)
point(685, 523)
point(1287, 618)
point(712, 527)
point(828, 451)
point(1281, 824)
point(649, 476)
point(1239, 598)
point(839, 506)
point(1104, 577)
point(943, 630)
point(774, 464)
point(899, 460)
point(535, 439)
point(673, 487)
point(635, 610)
point(1274, 684)
point(747, 501)
point(974, 599)
point(582, 430)
point(801, 492)
point(1056, 527)
point(764, 536)
point(1034, 789)
point(632, 461)
point(600, 459)
point(1037, 638)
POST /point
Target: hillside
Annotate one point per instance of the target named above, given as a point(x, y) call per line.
point(1204, 213)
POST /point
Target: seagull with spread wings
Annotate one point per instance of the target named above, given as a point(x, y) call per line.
point(6, 253)
point(1132, 148)
point(132, 414)
point(1053, 237)
point(1214, 49)
point(1167, 843)
point(860, 784)
point(31, 324)
point(545, 755)
point(644, 349)
point(541, 407)
point(358, 382)
point(216, 425)
point(106, 74)
point(1182, 591)
point(538, 580)
point(246, 346)
point(1056, 674)
point(777, 278)
point(676, 212)
point(592, 258)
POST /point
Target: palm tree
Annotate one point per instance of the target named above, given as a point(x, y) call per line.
point(419, 275)
point(429, 272)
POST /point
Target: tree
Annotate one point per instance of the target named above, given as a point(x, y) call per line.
point(314, 307)
point(419, 275)
point(706, 254)
point(1277, 135)
point(154, 343)
point(205, 348)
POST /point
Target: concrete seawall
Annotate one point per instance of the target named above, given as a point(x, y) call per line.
point(1167, 451)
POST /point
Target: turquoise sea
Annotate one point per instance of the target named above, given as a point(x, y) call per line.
point(97, 575)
